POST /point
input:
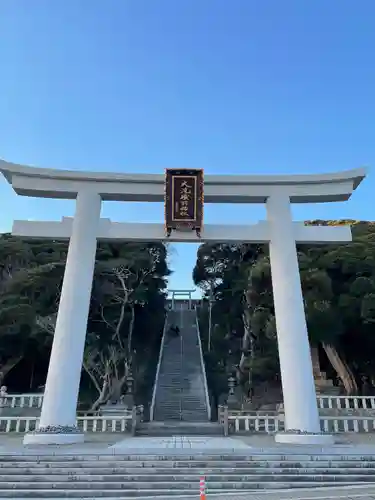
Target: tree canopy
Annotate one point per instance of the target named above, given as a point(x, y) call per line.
point(125, 320)
point(338, 284)
point(128, 306)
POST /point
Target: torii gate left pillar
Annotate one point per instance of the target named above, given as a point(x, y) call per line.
point(59, 404)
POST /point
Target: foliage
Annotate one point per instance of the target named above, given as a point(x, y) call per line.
point(339, 294)
point(128, 299)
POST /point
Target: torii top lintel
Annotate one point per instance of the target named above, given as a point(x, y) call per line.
point(65, 184)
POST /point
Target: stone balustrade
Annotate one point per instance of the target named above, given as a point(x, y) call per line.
point(346, 402)
point(232, 423)
point(22, 400)
point(123, 423)
point(33, 401)
point(241, 422)
point(260, 424)
point(324, 401)
point(338, 414)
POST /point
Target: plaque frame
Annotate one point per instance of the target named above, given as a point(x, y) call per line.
point(184, 214)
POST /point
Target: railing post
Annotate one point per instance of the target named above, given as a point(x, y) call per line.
point(153, 400)
point(203, 365)
point(225, 420)
point(134, 420)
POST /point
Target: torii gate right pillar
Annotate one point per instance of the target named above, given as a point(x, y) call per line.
point(301, 411)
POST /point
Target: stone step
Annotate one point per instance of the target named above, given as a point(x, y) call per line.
point(168, 383)
point(126, 493)
point(170, 430)
point(199, 406)
point(111, 480)
point(189, 409)
point(182, 415)
point(199, 412)
point(167, 396)
point(180, 386)
point(330, 492)
point(161, 466)
point(138, 495)
point(174, 395)
point(93, 472)
point(172, 364)
point(185, 425)
point(170, 415)
point(189, 460)
point(162, 485)
point(165, 403)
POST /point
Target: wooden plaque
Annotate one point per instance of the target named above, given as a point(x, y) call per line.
point(183, 199)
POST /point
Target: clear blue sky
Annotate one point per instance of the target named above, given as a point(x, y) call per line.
point(240, 86)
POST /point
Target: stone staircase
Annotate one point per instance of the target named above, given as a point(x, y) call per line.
point(176, 428)
point(180, 390)
point(153, 476)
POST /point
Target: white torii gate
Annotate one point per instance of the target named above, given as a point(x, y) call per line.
point(180, 294)
point(279, 231)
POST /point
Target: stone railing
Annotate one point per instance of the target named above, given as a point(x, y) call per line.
point(22, 400)
point(161, 352)
point(35, 400)
point(241, 422)
point(124, 423)
point(346, 402)
point(203, 365)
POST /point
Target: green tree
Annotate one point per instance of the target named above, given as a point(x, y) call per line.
point(338, 288)
point(129, 282)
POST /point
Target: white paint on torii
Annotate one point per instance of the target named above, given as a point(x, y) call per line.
point(65, 184)
point(91, 188)
point(177, 294)
point(254, 233)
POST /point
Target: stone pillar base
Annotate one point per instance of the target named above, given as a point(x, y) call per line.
point(290, 438)
point(43, 438)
